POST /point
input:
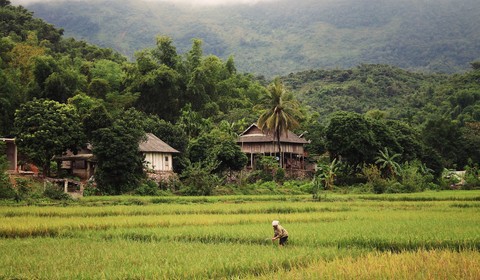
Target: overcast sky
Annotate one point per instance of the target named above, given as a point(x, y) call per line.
point(194, 2)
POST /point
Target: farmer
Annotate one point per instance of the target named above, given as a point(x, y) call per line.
point(279, 233)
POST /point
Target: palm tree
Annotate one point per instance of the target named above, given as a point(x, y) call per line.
point(279, 113)
point(388, 161)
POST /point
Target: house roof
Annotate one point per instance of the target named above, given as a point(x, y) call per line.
point(153, 144)
point(253, 134)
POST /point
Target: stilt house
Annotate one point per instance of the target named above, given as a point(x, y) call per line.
point(254, 142)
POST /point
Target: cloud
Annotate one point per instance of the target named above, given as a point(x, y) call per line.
point(191, 2)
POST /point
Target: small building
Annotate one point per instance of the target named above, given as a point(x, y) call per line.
point(158, 154)
point(82, 164)
point(254, 142)
point(158, 158)
point(12, 154)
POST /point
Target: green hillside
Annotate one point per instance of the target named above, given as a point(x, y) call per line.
point(279, 37)
point(58, 93)
point(399, 93)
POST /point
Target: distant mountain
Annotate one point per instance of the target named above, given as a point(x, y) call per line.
point(279, 37)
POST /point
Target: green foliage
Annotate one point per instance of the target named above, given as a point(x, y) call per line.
point(265, 168)
point(119, 163)
point(46, 128)
point(432, 118)
point(192, 122)
point(445, 137)
point(325, 175)
point(220, 146)
point(279, 113)
point(279, 176)
point(472, 176)
point(6, 190)
point(199, 178)
point(91, 190)
point(148, 188)
point(349, 135)
point(374, 178)
point(388, 163)
point(415, 178)
point(55, 192)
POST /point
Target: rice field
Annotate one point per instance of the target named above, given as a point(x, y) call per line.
point(431, 235)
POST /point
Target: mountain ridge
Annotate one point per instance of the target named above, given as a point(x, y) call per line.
point(277, 38)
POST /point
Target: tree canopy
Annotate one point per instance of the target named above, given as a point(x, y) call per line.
point(58, 93)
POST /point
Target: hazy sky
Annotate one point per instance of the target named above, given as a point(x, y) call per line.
point(193, 2)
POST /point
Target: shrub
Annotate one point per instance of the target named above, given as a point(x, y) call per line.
point(199, 179)
point(472, 177)
point(55, 192)
point(24, 188)
point(91, 190)
point(148, 187)
point(268, 166)
point(6, 191)
point(374, 178)
point(395, 187)
point(171, 184)
point(412, 179)
point(280, 175)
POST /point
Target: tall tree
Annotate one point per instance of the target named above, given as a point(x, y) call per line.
point(120, 164)
point(280, 113)
point(46, 128)
point(349, 137)
point(166, 52)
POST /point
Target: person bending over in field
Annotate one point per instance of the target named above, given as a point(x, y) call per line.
point(279, 233)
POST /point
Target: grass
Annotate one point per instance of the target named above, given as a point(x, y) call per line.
point(434, 235)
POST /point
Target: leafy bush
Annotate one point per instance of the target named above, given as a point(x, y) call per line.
point(267, 166)
point(199, 178)
point(91, 190)
point(55, 192)
point(280, 175)
point(171, 184)
point(472, 177)
point(374, 178)
point(413, 178)
point(148, 187)
point(6, 191)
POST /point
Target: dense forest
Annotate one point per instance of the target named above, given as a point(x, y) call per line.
point(278, 37)
point(58, 93)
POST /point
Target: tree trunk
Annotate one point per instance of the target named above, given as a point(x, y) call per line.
point(279, 150)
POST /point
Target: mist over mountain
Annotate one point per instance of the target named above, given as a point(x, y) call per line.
point(279, 37)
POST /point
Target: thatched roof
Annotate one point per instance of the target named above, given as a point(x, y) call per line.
point(253, 134)
point(153, 144)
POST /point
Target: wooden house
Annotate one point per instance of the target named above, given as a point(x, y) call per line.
point(158, 154)
point(82, 164)
point(254, 142)
point(158, 158)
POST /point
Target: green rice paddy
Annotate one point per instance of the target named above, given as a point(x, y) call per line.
point(434, 235)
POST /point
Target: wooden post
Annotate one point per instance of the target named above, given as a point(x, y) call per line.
point(65, 186)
